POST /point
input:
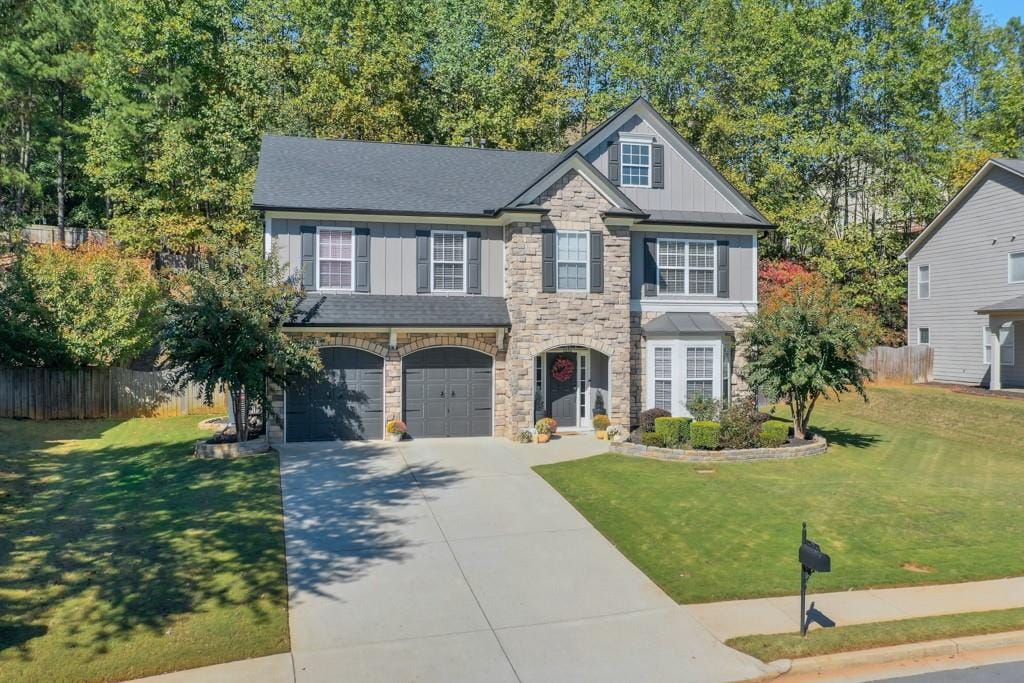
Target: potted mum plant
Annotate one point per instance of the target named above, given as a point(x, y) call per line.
point(395, 429)
point(546, 426)
point(601, 423)
point(614, 433)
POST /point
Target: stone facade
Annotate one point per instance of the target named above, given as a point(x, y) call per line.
point(543, 320)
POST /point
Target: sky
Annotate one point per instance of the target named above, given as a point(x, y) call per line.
point(1001, 10)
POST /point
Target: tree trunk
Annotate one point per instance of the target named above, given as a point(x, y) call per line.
point(240, 414)
point(61, 175)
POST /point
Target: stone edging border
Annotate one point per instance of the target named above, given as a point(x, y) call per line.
point(226, 451)
point(816, 447)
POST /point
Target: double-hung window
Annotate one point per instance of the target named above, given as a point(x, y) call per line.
point(700, 372)
point(334, 258)
point(1007, 348)
point(686, 266)
point(573, 255)
point(924, 282)
point(663, 377)
point(448, 261)
point(924, 336)
point(1017, 267)
point(636, 164)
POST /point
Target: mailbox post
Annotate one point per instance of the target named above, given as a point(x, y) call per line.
point(811, 560)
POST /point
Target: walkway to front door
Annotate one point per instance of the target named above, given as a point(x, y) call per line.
point(451, 560)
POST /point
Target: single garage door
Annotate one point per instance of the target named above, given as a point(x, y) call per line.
point(447, 391)
point(345, 402)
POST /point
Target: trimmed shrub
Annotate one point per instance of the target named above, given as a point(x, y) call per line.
point(674, 431)
point(652, 439)
point(741, 423)
point(648, 417)
point(705, 434)
point(773, 434)
point(601, 422)
point(703, 409)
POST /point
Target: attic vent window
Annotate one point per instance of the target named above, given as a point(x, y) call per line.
point(636, 164)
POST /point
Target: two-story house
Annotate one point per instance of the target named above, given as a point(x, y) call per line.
point(965, 293)
point(470, 291)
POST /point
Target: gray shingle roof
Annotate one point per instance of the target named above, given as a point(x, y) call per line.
point(1008, 306)
point(672, 324)
point(310, 173)
point(413, 310)
point(704, 218)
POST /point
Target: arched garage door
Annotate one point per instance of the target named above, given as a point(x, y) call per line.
point(346, 402)
point(447, 391)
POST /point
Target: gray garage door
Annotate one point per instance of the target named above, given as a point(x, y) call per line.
point(447, 392)
point(346, 402)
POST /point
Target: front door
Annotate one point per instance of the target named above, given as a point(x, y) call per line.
point(562, 392)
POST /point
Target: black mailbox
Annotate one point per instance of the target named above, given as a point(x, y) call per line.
point(813, 559)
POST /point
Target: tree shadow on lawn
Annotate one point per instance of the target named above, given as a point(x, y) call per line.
point(350, 506)
point(135, 537)
point(847, 438)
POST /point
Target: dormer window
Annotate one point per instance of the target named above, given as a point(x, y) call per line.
point(636, 164)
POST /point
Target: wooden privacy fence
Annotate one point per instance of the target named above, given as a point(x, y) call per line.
point(900, 365)
point(46, 394)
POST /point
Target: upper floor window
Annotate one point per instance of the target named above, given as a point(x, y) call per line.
point(334, 258)
point(448, 261)
point(572, 259)
point(636, 164)
point(686, 266)
point(1017, 267)
point(924, 282)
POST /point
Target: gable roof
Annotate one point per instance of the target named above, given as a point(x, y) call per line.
point(1015, 166)
point(311, 174)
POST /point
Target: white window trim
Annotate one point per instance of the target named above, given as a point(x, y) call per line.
point(921, 282)
point(679, 347)
point(653, 350)
point(1009, 267)
point(686, 267)
point(924, 343)
point(465, 249)
point(585, 261)
point(623, 164)
point(986, 347)
point(316, 261)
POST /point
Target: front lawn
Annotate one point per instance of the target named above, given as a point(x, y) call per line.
point(122, 557)
point(921, 485)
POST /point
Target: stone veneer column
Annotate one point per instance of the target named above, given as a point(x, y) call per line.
point(542, 320)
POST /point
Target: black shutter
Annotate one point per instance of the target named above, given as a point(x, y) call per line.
point(613, 162)
point(308, 233)
point(650, 266)
point(723, 269)
point(547, 260)
point(596, 262)
point(473, 263)
point(658, 166)
point(362, 260)
point(422, 261)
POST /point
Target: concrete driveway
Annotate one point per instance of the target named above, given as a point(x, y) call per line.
point(451, 560)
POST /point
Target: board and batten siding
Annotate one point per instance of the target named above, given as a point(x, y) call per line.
point(742, 257)
point(392, 251)
point(685, 189)
point(967, 258)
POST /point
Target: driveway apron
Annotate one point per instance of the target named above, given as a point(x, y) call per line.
point(451, 560)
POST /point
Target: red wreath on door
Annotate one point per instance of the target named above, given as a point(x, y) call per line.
point(563, 369)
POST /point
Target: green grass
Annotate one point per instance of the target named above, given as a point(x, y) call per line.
point(920, 477)
point(120, 556)
point(866, 636)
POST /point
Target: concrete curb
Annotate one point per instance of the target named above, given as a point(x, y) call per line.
point(951, 647)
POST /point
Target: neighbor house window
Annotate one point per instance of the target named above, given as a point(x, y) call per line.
point(636, 164)
point(923, 335)
point(663, 377)
point(448, 261)
point(924, 282)
point(572, 259)
point(1017, 267)
point(700, 372)
point(334, 258)
point(686, 266)
point(1007, 347)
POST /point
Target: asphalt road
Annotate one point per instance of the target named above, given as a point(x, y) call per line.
point(996, 673)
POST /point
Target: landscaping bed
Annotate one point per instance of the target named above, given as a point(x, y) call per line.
point(794, 448)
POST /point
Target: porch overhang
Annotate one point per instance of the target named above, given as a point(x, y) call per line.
point(678, 324)
point(1000, 316)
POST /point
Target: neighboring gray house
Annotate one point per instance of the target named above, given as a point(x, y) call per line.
point(966, 281)
point(470, 291)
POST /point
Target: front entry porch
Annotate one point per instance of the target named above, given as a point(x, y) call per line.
point(571, 385)
point(1000, 347)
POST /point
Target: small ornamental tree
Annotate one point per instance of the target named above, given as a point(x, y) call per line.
point(225, 327)
point(808, 344)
